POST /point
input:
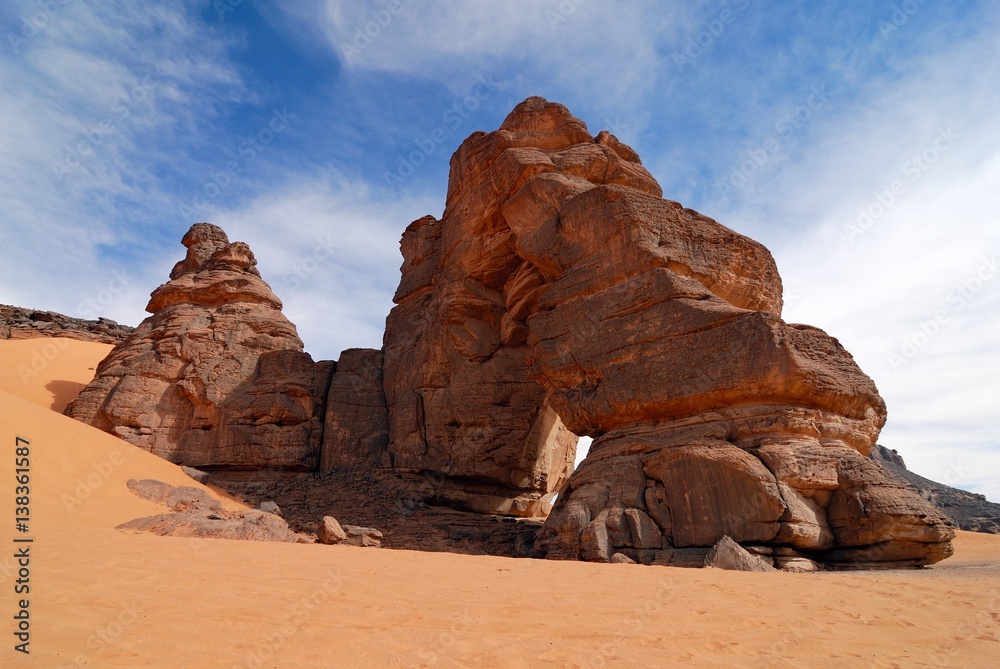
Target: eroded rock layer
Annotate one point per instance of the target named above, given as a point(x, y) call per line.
point(968, 510)
point(216, 376)
point(560, 294)
point(20, 323)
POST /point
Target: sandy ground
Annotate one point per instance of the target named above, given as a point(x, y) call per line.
point(47, 371)
point(102, 598)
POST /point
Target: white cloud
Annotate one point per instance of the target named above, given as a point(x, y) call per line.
point(575, 46)
point(881, 270)
point(329, 247)
point(83, 96)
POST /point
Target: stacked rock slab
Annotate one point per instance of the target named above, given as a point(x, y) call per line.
point(216, 376)
point(560, 294)
point(465, 416)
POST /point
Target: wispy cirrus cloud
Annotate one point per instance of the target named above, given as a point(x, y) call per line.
point(329, 248)
point(885, 230)
point(84, 95)
point(553, 46)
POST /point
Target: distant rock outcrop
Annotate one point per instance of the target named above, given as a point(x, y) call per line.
point(216, 378)
point(20, 323)
point(967, 510)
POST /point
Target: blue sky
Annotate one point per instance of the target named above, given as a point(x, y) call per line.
point(857, 140)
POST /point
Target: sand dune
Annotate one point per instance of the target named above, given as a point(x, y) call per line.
point(47, 371)
point(102, 598)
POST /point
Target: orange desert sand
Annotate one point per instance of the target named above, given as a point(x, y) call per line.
point(103, 598)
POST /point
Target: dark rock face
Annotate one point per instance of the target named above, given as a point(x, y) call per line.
point(967, 510)
point(409, 518)
point(20, 323)
point(356, 430)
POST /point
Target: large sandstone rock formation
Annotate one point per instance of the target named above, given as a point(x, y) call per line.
point(558, 295)
point(559, 290)
point(216, 377)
